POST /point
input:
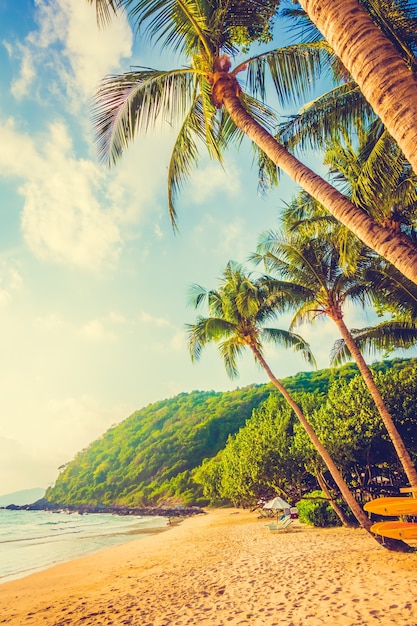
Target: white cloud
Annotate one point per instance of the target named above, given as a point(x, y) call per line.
point(178, 342)
point(97, 331)
point(94, 329)
point(62, 218)
point(212, 180)
point(153, 320)
point(21, 85)
point(51, 323)
point(31, 456)
point(234, 236)
point(69, 47)
point(10, 282)
point(75, 212)
point(158, 231)
point(21, 468)
point(93, 52)
point(116, 318)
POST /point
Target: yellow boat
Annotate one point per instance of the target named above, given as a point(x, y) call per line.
point(392, 506)
point(395, 530)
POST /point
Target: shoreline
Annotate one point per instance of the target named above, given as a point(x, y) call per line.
point(223, 567)
point(33, 541)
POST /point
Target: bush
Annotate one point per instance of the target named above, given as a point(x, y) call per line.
point(317, 512)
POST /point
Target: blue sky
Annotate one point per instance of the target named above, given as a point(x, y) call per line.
point(93, 281)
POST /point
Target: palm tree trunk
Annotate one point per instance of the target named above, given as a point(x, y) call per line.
point(337, 476)
point(392, 544)
point(366, 373)
point(323, 486)
point(376, 65)
point(393, 247)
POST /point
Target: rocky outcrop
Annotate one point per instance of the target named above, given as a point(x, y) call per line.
point(45, 505)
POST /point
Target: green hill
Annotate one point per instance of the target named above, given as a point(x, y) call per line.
point(147, 459)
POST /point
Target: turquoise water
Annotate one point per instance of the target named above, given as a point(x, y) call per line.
point(34, 540)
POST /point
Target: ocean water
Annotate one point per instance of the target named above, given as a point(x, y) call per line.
point(31, 541)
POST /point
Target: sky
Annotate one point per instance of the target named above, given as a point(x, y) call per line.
point(93, 281)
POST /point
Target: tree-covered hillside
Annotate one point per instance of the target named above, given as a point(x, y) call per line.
point(149, 457)
point(140, 460)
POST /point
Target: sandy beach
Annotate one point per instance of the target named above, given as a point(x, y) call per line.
point(224, 567)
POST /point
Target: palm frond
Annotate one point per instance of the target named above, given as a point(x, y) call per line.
point(392, 291)
point(293, 69)
point(230, 350)
point(262, 113)
point(237, 21)
point(381, 173)
point(268, 172)
point(340, 353)
point(321, 120)
point(387, 336)
point(287, 339)
point(178, 24)
point(133, 102)
point(227, 132)
point(307, 219)
point(398, 21)
point(105, 10)
point(185, 153)
point(197, 295)
point(377, 177)
point(239, 309)
point(293, 259)
point(351, 289)
point(307, 313)
point(302, 28)
point(206, 330)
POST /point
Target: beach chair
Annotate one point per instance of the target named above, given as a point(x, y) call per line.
point(281, 524)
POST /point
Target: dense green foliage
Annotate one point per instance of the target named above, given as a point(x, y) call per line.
point(155, 455)
point(272, 453)
point(146, 458)
point(316, 511)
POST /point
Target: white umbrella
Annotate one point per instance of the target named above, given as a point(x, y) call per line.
point(277, 503)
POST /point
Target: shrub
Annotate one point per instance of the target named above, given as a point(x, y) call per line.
point(317, 512)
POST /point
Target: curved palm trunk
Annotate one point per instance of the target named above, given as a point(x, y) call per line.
point(336, 508)
point(337, 476)
point(376, 65)
point(364, 521)
point(395, 248)
point(366, 373)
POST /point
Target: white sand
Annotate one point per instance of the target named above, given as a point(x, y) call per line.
point(224, 568)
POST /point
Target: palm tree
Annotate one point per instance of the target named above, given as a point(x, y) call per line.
point(238, 312)
point(317, 286)
point(393, 294)
point(378, 179)
point(374, 61)
point(344, 106)
point(207, 100)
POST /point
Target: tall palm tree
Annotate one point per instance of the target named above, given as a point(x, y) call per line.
point(394, 294)
point(376, 176)
point(379, 180)
point(344, 106)
point(377, 65)
point(207, 100)
point(317, 286)
point(238, 313)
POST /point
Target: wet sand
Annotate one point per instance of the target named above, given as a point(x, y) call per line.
point(223, 568)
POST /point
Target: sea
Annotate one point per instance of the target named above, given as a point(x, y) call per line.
point(31, 541)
